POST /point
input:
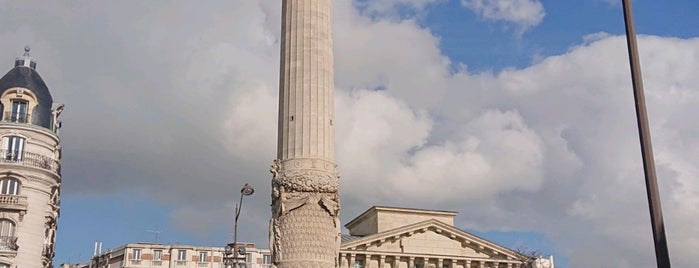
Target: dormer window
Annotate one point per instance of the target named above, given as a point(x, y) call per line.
point(19, 106)
point(19, 111)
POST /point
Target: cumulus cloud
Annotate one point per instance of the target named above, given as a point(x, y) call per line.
point(186, 117)
point(524, 14)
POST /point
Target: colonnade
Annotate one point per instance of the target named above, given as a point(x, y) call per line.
point(399, 260)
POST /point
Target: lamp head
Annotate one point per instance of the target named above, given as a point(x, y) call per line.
point(247, 190)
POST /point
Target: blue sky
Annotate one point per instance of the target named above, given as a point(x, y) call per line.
point(519, 118)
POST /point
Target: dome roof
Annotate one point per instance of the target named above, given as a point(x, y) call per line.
point(24, 75)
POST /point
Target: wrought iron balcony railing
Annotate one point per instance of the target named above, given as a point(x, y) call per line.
point(8, 243)
point(30, 159)
point(17, 118)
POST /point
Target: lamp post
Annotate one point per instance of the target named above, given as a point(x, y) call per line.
point(662, 255)
point(245, 191)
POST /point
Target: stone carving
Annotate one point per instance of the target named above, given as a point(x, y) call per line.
point(304, 224)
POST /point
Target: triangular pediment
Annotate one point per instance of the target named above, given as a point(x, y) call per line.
point(430, 237)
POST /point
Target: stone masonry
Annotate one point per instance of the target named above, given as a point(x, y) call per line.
point(305, 229)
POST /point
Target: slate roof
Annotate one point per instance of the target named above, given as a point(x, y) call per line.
point(29, 78)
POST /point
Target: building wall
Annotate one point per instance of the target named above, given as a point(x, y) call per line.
point(126, 256)
point(380, 219)
point(39, 175)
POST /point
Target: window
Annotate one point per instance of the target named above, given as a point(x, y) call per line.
point(136, 254)
point(157, 255)
point(7, 235)
point(19, 111)
point(2, 265)
point(9, 186)
point(359, 264)
point(181, 255)
point(202, 256)
point(266, 259)
point(14, 147)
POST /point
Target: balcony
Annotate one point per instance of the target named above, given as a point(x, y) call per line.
point(15, 202)
point(30, 159)
point(17, 118)
point(8, 243)
point(8, 117)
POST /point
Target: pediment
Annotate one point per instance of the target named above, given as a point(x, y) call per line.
point(430, 237)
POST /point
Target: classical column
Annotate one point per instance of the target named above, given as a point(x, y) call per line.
point(351, 261)
point(305, 229)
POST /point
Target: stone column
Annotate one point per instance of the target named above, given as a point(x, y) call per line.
point(351, 261)
point(305, 228)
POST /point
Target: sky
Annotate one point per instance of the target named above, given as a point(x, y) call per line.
point(517, 114)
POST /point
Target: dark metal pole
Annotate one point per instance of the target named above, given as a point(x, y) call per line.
point(245, 191)
point(235, 232)
point(656, 214)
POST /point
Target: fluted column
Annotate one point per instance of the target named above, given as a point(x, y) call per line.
point(305, 229)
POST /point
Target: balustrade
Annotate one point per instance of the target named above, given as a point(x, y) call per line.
point(30, 159)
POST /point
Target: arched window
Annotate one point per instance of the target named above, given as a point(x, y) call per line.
point(14, 147)
point(3, 265)
point(7, 235)
point(9, 186)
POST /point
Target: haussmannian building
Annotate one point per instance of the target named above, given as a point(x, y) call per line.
point(30, 174)
point(142, 255)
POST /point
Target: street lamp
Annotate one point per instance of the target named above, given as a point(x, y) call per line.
point(245, 191)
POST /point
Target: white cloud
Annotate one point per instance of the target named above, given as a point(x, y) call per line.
point(186, 116)
point(524, 14)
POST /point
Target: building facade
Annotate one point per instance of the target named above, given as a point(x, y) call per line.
point(381, 237)
point(175, 256)
point(30, 174)
point(390, 237)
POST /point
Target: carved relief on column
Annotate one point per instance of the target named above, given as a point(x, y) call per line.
point(305, 208)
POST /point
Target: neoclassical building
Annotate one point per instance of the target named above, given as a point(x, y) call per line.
point(391, 237)
point(30, 173)
point(386, 237)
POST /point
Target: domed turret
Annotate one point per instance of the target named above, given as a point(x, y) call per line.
point(24, 96)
